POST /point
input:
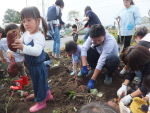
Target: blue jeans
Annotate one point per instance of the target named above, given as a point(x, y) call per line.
point(86, 35)
point(56, 38)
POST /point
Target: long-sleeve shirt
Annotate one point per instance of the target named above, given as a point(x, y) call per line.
point(129, 18)
point(145, 72)
point(4, 47)
point(38, 40)
point(108, 47)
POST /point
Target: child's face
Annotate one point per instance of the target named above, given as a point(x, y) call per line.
point(31, 25)
point(74, 29)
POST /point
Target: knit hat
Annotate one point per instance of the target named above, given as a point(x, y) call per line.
point(138, 105)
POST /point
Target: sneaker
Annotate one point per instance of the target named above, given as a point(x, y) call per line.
point(80, 73)
point(108, 80)
point(90, 72)
point(38, 106)
point(57, 56)
point(73, 72)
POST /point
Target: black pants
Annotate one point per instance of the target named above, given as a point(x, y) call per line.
point(126, 39)
point(111, 62)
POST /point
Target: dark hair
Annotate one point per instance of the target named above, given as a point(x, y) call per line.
point(32, 12)
point(136, 57)
point(132, 3)
point(141, 32)
point(146, 81)
point(74, 26)
point(2, 31)
point(10, 27)
point(97, 30)
point(71, 46)
point(60, 3)
point(97, 107)
point(86, 9)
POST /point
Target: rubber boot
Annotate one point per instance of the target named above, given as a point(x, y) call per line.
point(38, 106)
point(18, 85)
point(24, 80)
point(49, 96)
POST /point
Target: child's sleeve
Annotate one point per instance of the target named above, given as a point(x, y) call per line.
point(35, 50)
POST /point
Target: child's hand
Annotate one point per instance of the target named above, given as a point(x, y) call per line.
point(145, 98)
point(3, 60)
point(17, 44)
point(10, 55)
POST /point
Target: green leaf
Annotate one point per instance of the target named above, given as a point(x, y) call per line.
point(100, 95)
point(93, 91)
point(75, 109)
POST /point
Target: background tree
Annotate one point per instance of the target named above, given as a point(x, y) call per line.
point(11, 16)
point(72, 15)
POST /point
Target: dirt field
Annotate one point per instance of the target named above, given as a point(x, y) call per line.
point(60, 87)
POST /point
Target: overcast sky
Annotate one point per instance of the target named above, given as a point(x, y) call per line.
point(105, 9)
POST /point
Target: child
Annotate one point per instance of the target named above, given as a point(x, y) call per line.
point(32, 45)
point(5, 61)
point(18, 58)
point(74, 33)
point(97, 107)
point(75, 50)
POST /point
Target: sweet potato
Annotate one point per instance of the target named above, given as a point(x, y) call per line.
point(10, 40)
point(13, 68)
point(30, 97)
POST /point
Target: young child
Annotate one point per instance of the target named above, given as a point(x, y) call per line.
point(75, 50)
point(74, 33)
point(32, 45)
point(97, 107)
point(19, 59)
point(4, 60)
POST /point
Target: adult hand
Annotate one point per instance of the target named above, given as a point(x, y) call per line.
point(84, 70)
point(126, 100)
point(17, 44)
point(91, 84)
point(122, 91)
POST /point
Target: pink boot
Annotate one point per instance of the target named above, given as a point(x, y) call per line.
point(49, 96)
point(38, 106)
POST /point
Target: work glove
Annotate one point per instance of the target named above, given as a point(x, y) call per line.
point(84, 70)
point(123, 71)
point(126, 100)
point(122, 91)
point(91, 84)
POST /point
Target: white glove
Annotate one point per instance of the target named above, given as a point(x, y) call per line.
point(123, 71)
point(126, 100)
point(80, 22)
point(122, 90)
point(148, 95)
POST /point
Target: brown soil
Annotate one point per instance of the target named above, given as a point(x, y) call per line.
point(60, 88)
